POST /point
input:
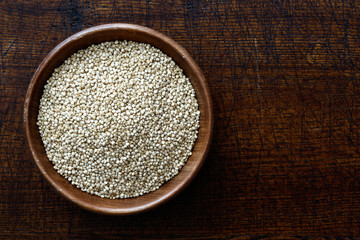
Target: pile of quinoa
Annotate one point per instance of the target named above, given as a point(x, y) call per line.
point(118, 119)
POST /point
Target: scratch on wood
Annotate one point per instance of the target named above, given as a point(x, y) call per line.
point(2, 66)
point(257, 65)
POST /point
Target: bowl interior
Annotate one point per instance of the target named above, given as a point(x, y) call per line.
point(96, 35)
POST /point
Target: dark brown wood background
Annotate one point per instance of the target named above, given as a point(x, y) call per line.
point(284, 78)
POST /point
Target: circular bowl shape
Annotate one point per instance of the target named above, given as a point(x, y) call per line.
point(95, 35)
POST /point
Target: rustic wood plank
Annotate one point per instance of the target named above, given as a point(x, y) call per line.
point(284, 77)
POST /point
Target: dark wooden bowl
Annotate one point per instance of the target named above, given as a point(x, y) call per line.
point(96, 35)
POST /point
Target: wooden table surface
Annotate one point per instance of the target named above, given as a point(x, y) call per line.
point(284, 78)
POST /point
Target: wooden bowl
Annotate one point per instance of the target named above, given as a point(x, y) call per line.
point(97, 35)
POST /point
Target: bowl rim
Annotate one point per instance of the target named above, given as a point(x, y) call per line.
point(207, 102)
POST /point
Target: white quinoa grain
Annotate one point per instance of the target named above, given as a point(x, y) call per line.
point(118, 119)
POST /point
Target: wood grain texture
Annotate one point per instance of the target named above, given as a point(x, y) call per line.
point(284, 78)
